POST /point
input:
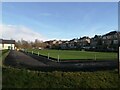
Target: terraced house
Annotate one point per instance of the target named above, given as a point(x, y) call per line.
point(7, 44)
point(108, 41)
point(110, 38)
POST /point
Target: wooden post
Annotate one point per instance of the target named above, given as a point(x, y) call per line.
point(58, 58)
point(32, 52)
point(38, 53)
point(48, 55)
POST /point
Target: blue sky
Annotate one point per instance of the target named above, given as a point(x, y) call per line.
point(58, 20)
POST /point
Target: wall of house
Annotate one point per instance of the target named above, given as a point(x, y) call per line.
point(0, 46)
point(6, 46)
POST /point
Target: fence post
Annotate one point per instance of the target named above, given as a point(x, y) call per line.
point(48, 55)
point(38, 53)
point(32, 52)
point(58, 58)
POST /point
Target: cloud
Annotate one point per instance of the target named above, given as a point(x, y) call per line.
point(18, 32)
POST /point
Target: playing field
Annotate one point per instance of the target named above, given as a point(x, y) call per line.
point(70, 54)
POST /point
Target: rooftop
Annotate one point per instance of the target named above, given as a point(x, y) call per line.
point(7, 41)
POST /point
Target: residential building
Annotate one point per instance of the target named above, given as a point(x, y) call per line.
point(84, 41)
point(7, 44)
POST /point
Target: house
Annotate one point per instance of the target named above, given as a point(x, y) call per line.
point(7, 44)
point(96, 41)
point(64, 45)
point(108, 41)
point(73, 43)
point(84, 41)
point(110, 38)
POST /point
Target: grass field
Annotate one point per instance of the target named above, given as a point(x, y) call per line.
point(70, 54)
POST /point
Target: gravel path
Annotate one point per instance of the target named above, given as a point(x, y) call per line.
point(16, 58)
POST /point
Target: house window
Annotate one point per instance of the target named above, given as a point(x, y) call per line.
point(115, 41)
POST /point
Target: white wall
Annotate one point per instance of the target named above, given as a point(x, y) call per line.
point(7, 45)
point(0, 46)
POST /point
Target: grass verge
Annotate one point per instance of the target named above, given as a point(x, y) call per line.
point(22, 78)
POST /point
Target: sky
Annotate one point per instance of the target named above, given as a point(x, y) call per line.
point(57, 20)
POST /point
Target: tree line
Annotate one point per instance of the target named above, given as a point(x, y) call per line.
point(30, 44)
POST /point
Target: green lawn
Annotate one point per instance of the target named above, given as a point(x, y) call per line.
point(70, 54)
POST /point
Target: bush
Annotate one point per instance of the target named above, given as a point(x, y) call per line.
point(21, 78)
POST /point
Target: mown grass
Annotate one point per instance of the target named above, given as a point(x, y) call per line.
point(21, 78)
point(70, 54)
